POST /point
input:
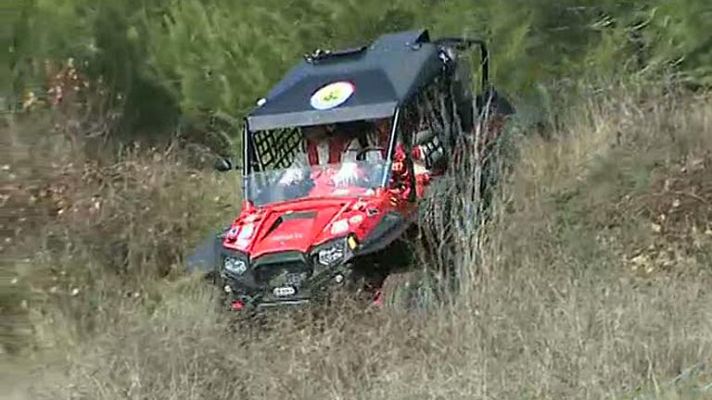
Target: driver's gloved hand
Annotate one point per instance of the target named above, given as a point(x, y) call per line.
point(291, 175)
point(347, 174)
point(398, 167)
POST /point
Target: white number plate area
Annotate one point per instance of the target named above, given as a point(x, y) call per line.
point(284, 291)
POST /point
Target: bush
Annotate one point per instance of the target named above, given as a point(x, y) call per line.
point(76, 230)
point(216, 58)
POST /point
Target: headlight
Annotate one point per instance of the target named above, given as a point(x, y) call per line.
point(235, 265)
point(337, 251)
point(332, 254)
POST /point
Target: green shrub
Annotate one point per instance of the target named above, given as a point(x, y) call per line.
point(217, 57)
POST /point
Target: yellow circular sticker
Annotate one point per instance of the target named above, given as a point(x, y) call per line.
point(332, 95)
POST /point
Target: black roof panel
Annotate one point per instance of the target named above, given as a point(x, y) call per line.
point(383, 75)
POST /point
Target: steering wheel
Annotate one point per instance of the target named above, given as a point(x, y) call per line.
point(361, 155)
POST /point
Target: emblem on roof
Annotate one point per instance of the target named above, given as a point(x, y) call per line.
point(332, 95)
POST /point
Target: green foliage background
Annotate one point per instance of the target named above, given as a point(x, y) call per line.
point(176, 60)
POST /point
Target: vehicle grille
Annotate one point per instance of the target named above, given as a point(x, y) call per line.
point(280, 274)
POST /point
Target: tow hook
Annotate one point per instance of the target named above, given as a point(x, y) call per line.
point(237, 305)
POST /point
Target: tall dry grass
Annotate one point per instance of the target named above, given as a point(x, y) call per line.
point(570, 300)
point(83, 228)
point(523, 337)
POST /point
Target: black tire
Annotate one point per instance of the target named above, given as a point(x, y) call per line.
point(408, 292)
point(436, 229)
point(396, 290)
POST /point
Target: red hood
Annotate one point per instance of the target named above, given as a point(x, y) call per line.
point(295, 226)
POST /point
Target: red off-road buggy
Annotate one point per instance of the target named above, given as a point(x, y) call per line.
point(294, 243)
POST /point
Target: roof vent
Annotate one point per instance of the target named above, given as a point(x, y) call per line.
point(322, 55)
point(423, 36)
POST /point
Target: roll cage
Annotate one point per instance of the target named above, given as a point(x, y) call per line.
point(275, 138)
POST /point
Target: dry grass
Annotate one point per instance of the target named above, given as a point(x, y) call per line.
point(527, 336)
point(559, 314)
point(78, 230)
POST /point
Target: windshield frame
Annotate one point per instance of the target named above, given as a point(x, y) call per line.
point(251, 163)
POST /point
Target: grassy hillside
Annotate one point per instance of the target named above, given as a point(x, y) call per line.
point(596, 278)
point(591, 281)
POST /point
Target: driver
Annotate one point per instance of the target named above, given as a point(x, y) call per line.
point(326, 145)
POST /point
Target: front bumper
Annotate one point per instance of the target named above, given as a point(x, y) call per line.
point(283, 283)
point(288, 277)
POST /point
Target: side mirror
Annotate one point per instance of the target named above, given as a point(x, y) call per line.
point(223, 165)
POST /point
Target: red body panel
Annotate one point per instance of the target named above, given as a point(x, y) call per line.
point(284, 227)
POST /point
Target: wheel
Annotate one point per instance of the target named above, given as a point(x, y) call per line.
point(396, 290)
point(408, 291)
point(438, 227)
point(363, 283)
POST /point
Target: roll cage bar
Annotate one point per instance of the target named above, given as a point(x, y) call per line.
point(465, 44)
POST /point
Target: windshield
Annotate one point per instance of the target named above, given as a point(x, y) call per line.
point(359, 178)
